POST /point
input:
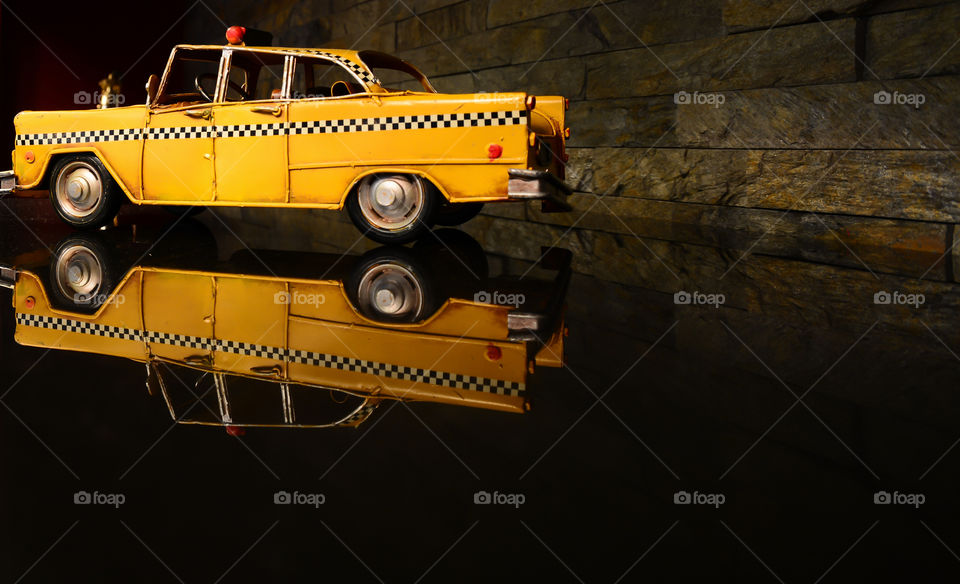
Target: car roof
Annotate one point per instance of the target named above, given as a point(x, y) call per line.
point(342, 53)
point(348, 58)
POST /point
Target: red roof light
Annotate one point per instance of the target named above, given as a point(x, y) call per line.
point(235, 35)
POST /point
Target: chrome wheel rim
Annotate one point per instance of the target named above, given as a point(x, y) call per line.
point(79, 274)
point(390, 290)
point(391, 202)
point(79, 189)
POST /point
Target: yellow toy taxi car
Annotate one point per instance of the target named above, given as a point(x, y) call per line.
point(232, 344)
point(245, 126)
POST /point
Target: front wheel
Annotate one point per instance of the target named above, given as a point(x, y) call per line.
point(391, 208)
point(83, 192)
point(82, 274)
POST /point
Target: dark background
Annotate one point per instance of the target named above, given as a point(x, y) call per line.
point(798, 199)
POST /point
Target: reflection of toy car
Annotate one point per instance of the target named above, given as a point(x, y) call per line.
point(284, 127)
point(387, 326)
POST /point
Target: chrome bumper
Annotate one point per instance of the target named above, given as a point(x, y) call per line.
point(8, 276)
point(538, 326)
point(533, 185)
point(8, 182)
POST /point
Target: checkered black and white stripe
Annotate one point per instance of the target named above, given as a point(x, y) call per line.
point(441, 378)
point(464, 120)
point(356, 68)
point(79, 137)
point(181, 133)
point(247, 130)
point(384, 124)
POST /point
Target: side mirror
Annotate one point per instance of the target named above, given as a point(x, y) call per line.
point(153, 85)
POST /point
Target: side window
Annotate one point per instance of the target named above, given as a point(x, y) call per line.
point(314, 77)
point(255, 75)
point(191, 394)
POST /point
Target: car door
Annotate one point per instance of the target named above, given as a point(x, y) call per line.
point(178, 149)
point(324, 151)
point(250, 146)
point(251, 326)
point(178, 315)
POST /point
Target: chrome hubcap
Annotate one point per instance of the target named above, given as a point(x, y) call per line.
point(391, 202)
point(79, 273)
point(78, 189)
point(392, 290)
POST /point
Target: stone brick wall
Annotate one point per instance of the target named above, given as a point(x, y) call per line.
point(789, 119)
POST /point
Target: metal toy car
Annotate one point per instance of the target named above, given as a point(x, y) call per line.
point(265, 126)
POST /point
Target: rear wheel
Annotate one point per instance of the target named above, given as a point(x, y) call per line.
point(391, 285)
point(391, 208)
point(451, 214)
point(83, 193)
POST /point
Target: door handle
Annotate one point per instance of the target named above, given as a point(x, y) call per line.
point(265, 109)
point(275, 370)
point(198, 113)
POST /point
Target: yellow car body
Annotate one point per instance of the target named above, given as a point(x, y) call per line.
point(232, 324)
point(311, 151)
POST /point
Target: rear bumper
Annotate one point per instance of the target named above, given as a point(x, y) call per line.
point(538, 185)
point(539, 325)
point(8, 276)
point(8, 182)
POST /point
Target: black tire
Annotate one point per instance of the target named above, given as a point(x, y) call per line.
point(452, 214)
point(83, 193)
point(410, 227)
point(93, 278)
point(184, 210)
point(417, 298)
point(458, 252)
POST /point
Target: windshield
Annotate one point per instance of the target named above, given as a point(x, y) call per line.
point(187, 67)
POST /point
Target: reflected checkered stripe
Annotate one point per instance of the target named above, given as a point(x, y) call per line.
point(360, 415)
point(441, 378)
point(384, 124)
